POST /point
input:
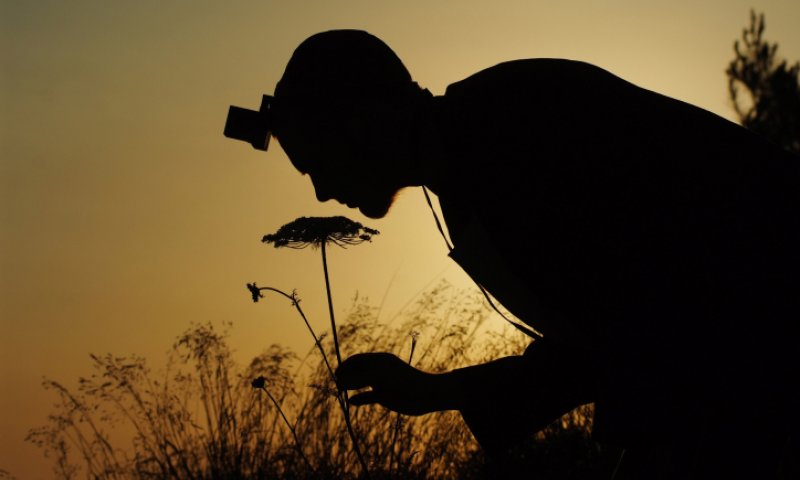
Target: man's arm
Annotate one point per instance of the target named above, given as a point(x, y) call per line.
point(502, 401)
point(510, 398)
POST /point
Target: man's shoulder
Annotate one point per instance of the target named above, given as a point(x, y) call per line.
point(527, 72)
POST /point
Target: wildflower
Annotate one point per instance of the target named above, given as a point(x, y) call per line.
point(317, 231)
point(259, 382)
point(255, 291)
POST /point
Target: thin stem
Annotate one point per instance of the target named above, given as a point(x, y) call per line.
point(330, 306)
point(296, 305)
point(352, 433)
point(342, 395)
point(291, 428)
point(397, 422)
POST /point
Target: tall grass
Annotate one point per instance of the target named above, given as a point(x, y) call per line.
point(201, 418)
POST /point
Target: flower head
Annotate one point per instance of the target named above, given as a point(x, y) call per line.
point(259, 382)
point(255, 291)
point(316, 231)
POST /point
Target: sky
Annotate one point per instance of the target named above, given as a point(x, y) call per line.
point(125, 215)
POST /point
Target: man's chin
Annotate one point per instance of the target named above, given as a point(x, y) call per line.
point(372, 212)
point(376, 204)
point(377, 209)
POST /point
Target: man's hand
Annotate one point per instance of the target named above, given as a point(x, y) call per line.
point(395, 384)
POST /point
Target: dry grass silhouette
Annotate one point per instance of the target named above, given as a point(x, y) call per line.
point(281, 416)
point(201, 417)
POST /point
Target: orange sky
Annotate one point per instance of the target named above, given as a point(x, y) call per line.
point(126, 214)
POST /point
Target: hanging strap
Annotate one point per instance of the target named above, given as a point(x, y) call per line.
point(436, 219)
point(522, 328)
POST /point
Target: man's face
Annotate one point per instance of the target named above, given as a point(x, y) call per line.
point(341, 164)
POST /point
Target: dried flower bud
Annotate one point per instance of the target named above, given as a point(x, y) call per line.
point(259, 382)
point(255, 291)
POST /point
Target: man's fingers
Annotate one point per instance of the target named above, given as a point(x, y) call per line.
point(364, 369)
point(366, 398)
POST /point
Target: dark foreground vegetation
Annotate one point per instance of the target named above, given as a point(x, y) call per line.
point(201, 416)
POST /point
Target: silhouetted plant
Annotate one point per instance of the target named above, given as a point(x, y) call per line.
point(318, 232)
point(197, 420)
point(256, 293)
point(772, 85)
point(260, 383)
point(414, 336)
point(200, 418)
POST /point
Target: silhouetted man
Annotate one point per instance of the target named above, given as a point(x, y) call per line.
point(655, 245)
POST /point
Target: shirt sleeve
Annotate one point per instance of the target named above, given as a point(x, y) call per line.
point(509, 399)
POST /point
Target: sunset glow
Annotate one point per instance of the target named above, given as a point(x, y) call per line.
point(127, 215)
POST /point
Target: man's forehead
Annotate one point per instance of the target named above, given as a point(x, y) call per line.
point(294, 155)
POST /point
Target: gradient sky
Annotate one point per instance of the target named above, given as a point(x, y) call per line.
point(125, 214)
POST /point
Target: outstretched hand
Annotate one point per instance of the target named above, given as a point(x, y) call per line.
point(394, 384)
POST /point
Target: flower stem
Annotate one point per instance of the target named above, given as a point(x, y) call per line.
point(291, 428)
point(343, 401)
point(397, 422)
point(330, 306)
point(296, 305)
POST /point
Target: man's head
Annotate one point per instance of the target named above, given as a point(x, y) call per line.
point(346, 105)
